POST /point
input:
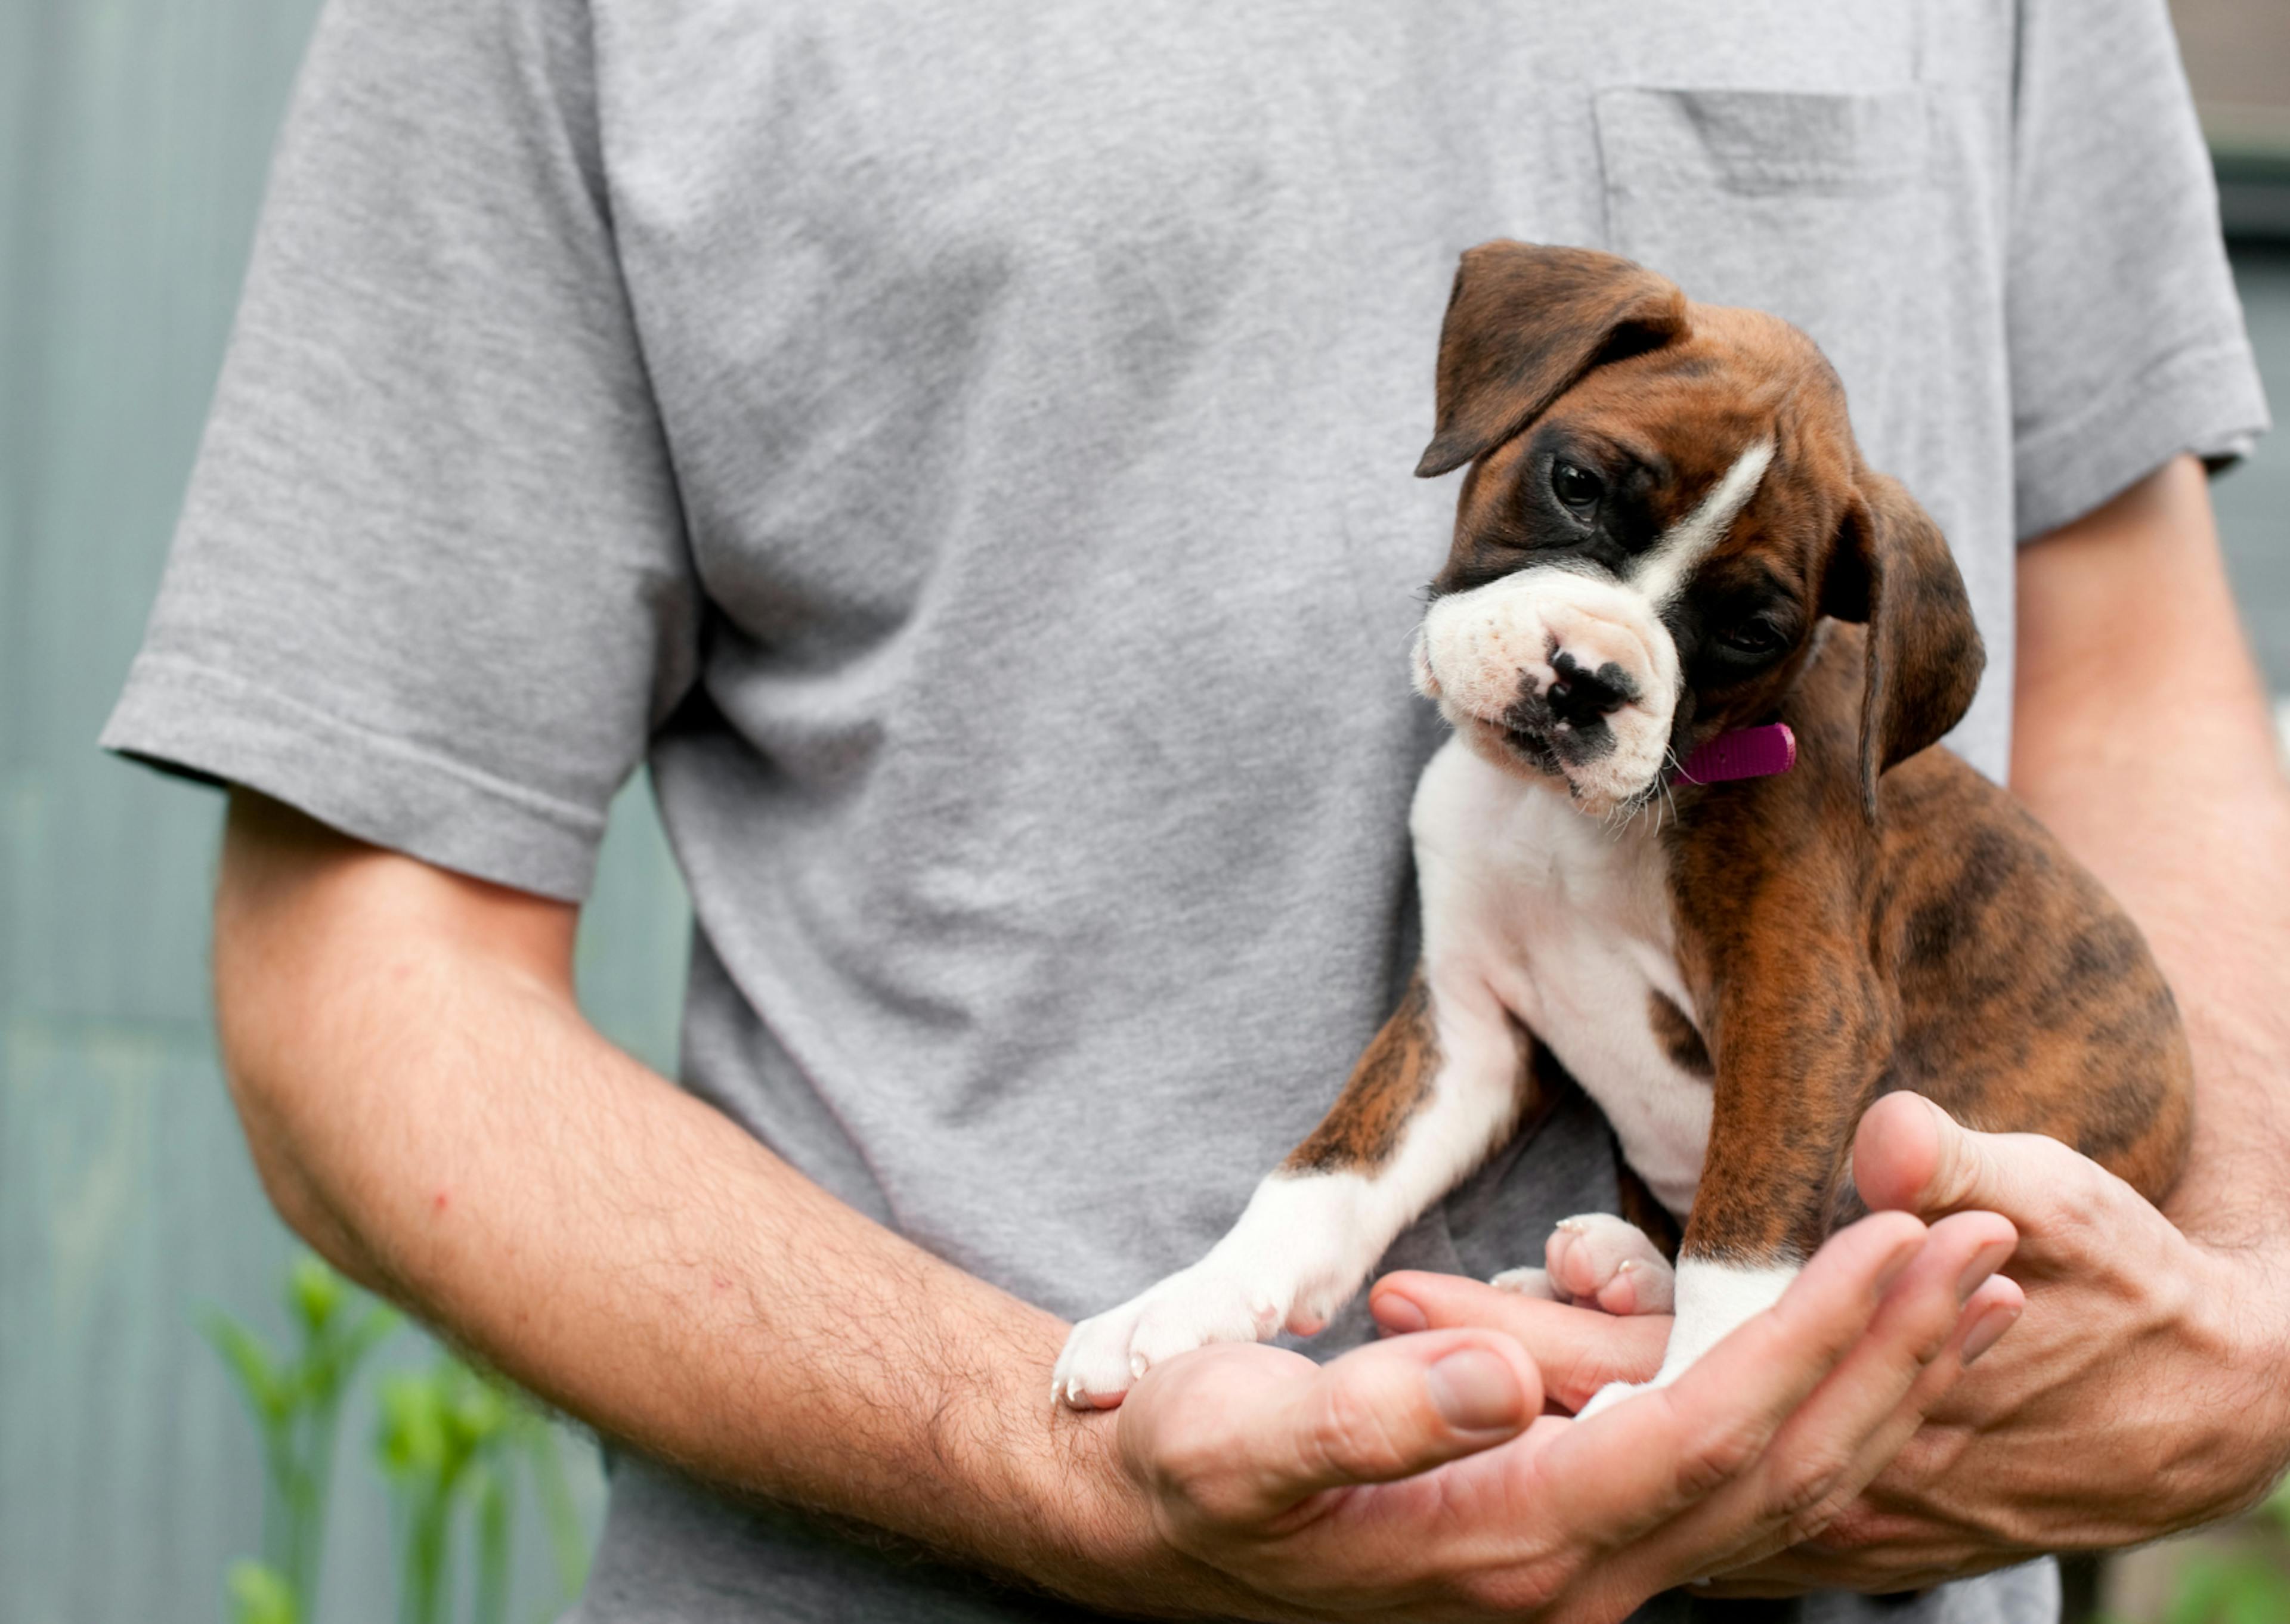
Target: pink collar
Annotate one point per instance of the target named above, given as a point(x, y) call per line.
point(1746, 752)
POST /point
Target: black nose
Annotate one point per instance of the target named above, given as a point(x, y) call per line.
point(1580, 697)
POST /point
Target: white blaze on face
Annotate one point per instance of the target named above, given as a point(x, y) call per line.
point(1481, 653)
point(1661, 572)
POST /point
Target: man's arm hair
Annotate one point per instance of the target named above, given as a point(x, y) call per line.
point(426, 1104)
point(2142, 737)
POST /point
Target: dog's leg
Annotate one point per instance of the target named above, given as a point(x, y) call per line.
point(1444, 1082)
point(1768, 1187)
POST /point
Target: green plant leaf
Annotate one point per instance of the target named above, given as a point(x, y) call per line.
point(2262, 1598)
point(259, 1594)
point(314, 1291)
point(480, 1408)
point(410, 1442)
point(268, 1389)
point(370, 1332)
point(2229, 1590)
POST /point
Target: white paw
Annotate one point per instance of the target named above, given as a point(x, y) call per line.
point(1598, 1260)
point(1528, 1283)
point(1106, 1354)
point(1606, 1397)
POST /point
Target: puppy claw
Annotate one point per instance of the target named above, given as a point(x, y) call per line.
point(1107, 1354)
point(1599, 1260)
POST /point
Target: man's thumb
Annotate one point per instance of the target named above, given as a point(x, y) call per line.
point(1910, 1155)
point(1401, 1407)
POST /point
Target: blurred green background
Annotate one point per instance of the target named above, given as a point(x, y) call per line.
point(133, 140)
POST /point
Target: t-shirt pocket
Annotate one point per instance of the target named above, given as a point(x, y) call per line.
point(1813, 205)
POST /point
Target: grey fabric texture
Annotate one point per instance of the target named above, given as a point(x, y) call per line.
point(965, 450)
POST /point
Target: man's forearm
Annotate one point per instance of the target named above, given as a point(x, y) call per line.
point(428, 1107)
point(2143, 739)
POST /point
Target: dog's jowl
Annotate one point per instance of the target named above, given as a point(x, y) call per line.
point(1666, 552)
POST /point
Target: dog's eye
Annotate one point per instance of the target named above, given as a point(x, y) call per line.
point(1757, 636)
point(1576, 486)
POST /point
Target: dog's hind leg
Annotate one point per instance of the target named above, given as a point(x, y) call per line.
point(1599, 1260)
point(1623, 1265)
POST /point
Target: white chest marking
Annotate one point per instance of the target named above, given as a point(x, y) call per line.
point(1569, 922)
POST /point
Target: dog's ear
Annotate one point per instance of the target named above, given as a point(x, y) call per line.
point(1892, 569)
point(1524, 323)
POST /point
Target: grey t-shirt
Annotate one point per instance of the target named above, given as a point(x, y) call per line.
point(965, 450)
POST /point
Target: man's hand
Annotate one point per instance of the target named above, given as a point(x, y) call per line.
point(1310, 1486)
point(2137, 1396)
point(2125, 1406)
point(2142, 1394)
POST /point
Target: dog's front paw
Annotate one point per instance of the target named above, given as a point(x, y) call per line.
point(1106, 1354)
point(1600, 1262)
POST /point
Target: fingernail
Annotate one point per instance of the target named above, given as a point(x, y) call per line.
point(1474, 1391)
point(1985, 1262)
point(1396, 1315)
point(1992, 1324)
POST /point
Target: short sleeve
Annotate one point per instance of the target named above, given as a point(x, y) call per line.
point(430, 583)
point(2126, 339)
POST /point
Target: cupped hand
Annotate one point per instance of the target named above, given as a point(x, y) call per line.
point(1419, 1477)
point(2138, 1396)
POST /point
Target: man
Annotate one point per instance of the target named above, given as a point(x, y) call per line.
point(965, 453)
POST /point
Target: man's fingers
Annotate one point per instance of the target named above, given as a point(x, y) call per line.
point(1656, 1455)
point(1910, 1155)
point(1577, 1350)
point(1991, 1310)
point(1239, 1441)
point(1862, 1411)
point(1913, 1353)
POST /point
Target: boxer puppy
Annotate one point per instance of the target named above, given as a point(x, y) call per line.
point(1691, 837)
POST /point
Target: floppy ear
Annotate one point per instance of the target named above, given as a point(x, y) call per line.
point(1892, 569)
point(1525, 322)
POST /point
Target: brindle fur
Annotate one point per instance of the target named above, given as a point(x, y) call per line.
point(1362, 1129)
point(1954, 948)
point(1391, 1079)
point(1882, 917)
point(1679, 1037)
point(1641, 1207)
